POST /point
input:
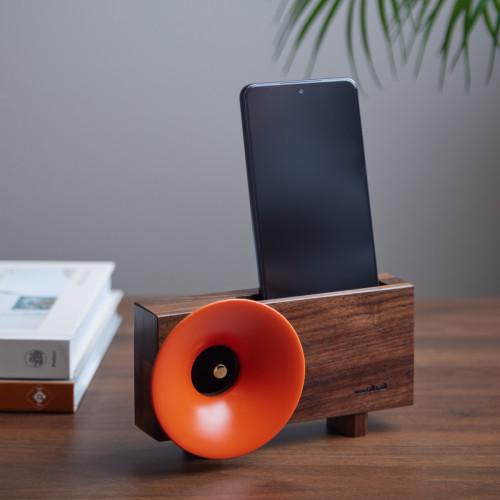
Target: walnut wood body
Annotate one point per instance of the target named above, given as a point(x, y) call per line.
point(358, 349)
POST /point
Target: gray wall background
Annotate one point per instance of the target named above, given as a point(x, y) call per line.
point(120, 139)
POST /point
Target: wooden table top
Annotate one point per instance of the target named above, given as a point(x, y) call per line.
point(445, 446)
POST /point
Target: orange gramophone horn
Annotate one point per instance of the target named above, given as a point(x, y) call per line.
point(228, 378)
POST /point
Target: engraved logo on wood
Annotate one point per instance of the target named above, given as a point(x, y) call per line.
point(372, 388)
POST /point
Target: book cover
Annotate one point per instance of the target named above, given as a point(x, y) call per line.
point(48, 312)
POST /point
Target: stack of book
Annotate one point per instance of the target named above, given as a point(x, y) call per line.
point(57, 320)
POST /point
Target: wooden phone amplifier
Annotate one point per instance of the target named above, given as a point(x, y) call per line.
point(358, 349)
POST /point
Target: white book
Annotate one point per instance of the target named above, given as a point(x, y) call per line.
point(49, 312)
point(59, 395)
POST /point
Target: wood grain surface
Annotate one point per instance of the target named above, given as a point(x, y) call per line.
point(358, 349)
point(447, 445)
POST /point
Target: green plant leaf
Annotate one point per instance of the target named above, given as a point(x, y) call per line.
point(305, 28)
point(428, 25)
point(417, 25)
point(405, 24)
point(495, 45)
point(478, 11)
point(460, 8)
point(294, 13)
point(350, 47)
point(322, 32)
point(399, 22)
point(387, 35)
point(366, 45)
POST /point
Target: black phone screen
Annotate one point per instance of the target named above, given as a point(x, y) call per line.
point(308, 187)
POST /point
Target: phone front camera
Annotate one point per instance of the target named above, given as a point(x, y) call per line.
point(301, 91)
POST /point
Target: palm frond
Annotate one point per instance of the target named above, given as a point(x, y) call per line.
point(387, 35)
point(494, 31)
point(366, 45)
point(406, 26)
point(321, 35)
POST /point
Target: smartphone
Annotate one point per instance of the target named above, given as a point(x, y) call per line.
point(308, 187)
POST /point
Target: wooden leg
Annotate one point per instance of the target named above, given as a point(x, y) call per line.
point(349, 425)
